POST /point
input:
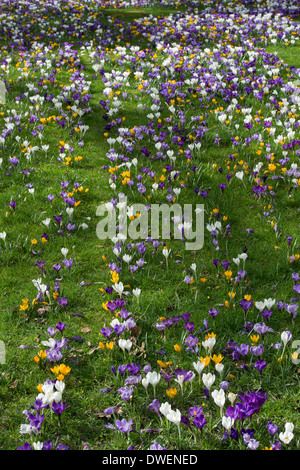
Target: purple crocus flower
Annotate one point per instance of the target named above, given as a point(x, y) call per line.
point(133, 368)
point(58, 219)
point(57, 267)
point(296, 289)
point(266, 314)
point(60, 326)
point(167, 378)
point(257, 350)
point(272, 428)
point(47, 445)
point(189, 326)
point(195, 411)
point(25, 446)
point(122, 368)
point(62, 447)
point(259, 365)
point(51, 331)
point(118, 329)
point(186, 421)
point(224, 385)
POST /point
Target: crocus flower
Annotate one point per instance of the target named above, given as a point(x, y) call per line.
point(219, 399)
point(124, 426)
point(208, 380)
point(153, 378)
point(272, 428)
point(199, 422)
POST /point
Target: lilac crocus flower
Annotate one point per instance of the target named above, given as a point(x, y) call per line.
point(252, 444)
point(68, 263)
point(257, 350)
point(154, 406)
point(124, 426)
point(292, 309)
point(296, 289)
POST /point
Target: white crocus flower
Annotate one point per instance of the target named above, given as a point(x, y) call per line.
point(269, 303)
point(166, 252)
point(209, 344)
point(136, 292)
point(260, 306)
point(231, 397)
point(28, 429)
point(114, 322)
point(289, 427)
point(38, 445)
point(199, 366)
point(60, 386)
point(50, 343)
point(69, 211)
point(285, 337)
point(145, 383)
point(180, 380)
